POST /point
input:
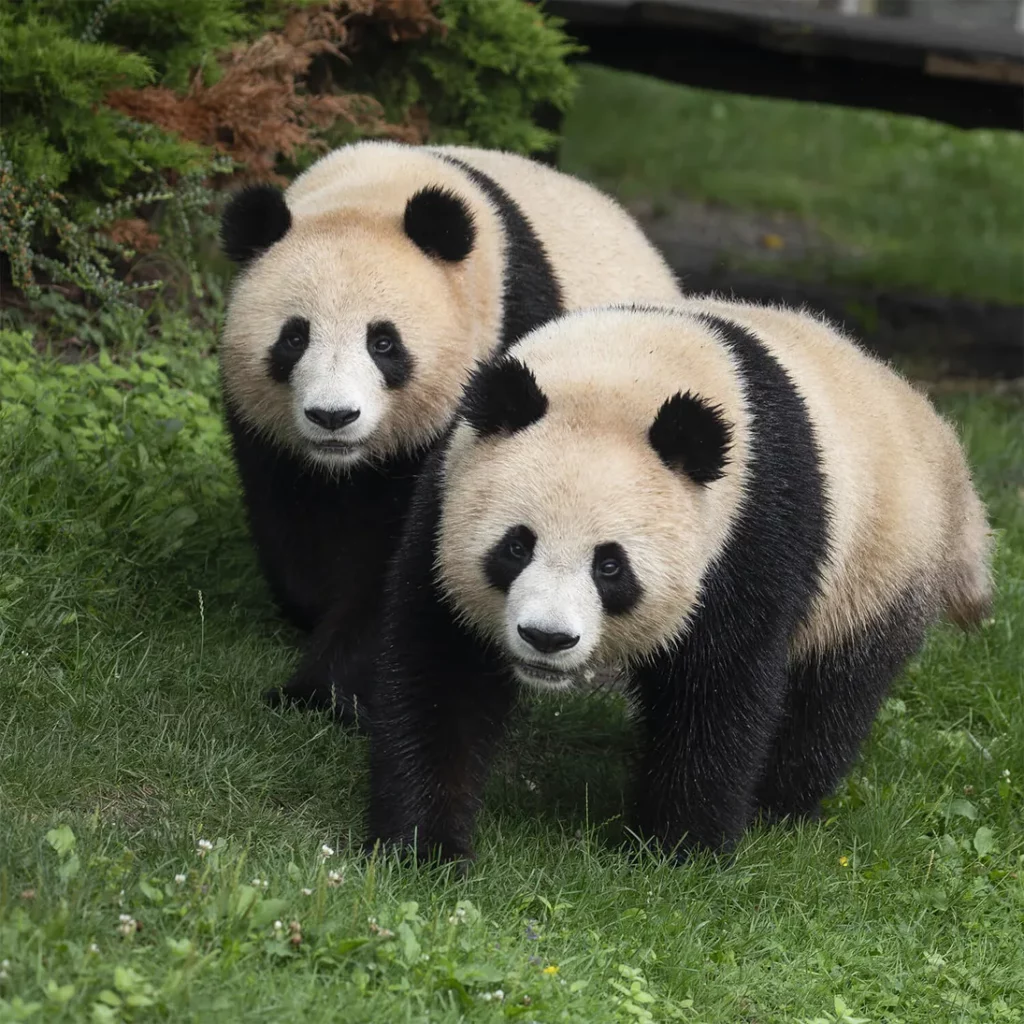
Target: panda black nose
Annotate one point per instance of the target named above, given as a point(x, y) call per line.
point(545, 642)
point(332, 419)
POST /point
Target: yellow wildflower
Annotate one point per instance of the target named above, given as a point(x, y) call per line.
point(550, 969)
point(843, 861)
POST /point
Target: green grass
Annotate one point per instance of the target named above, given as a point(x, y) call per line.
point(135, 638)
point(909, 203)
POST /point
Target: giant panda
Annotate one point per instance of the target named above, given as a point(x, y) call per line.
point(754, 517)
point(367, 292)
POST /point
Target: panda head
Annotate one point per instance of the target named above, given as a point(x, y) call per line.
point(347, 328)
point(584, 496)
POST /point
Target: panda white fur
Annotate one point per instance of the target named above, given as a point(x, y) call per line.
point(369, 289)
point(738, 504)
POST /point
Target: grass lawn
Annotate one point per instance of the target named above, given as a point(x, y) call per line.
point(908, 203)
point(156, 820)
point(134, 640)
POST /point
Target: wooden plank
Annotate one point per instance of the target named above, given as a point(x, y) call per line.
point(782, 48)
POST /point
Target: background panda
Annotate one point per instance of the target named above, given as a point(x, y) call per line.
point(736, 502)
point(369, 290)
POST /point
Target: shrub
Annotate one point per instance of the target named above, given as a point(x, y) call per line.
point(56, 125)
point(90, 252)
point(121, 115)
point(139, 438)
point(260, 110)
point(484, 79)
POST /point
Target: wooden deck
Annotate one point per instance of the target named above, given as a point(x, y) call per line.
point(968, 73)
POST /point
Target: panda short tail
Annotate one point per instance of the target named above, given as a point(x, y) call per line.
point(967, 592)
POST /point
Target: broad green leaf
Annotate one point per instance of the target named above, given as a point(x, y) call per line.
point(62, 839)
point(984, 841)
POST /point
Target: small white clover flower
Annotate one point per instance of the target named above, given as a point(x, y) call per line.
point(93, 948)
point(326, 851)
point(307, 892)
point(335, 878)
point(260, 883)
point(128, 925)
point(124, 918)
point(1006, 774)
point(278, 926)
point(180, 878)
point(203, 847)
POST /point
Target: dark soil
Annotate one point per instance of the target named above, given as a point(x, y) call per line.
point(752, 256)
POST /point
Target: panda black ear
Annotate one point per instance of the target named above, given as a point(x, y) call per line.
point(691, 436)
point(440, 223)
point(256, 217)
point(502, 397)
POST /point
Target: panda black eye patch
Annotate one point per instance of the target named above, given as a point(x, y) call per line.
point(393, 359)
point(509, 557)
point(292, 341)
point(616, 583)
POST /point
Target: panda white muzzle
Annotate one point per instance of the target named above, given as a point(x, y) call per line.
point(552, 624)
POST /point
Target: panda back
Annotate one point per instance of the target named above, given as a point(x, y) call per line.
point(904, 517)
point(598, 251)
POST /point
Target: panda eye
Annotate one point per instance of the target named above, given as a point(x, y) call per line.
point(294, 341)
point(609, 567)
point(382, 345)
point(517, 549)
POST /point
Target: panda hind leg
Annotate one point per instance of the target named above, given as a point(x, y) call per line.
point(833, 698)
point(336, 672)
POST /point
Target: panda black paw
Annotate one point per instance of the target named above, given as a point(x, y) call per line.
point(458, 857)
point(297, 693)
point(351, 710)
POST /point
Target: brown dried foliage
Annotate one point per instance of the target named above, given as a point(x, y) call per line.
point(134, 233)
point(262, 109)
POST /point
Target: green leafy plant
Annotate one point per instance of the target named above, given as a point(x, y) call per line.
point(147, 423)
point(123, 117)
point(88, 252)
point(56, 125)
point(484, 79)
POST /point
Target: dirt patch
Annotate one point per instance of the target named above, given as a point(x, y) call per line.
point(704, 237)
point(712, 248)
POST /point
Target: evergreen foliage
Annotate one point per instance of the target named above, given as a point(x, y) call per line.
point(121, 115)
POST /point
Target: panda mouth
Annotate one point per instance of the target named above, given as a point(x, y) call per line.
point(544, 675)
point(344, 447)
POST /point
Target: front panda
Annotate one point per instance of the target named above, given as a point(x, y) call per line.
point(736, 503)
point(367, 292)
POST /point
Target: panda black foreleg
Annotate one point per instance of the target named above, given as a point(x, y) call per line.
point(833, 699)
point(441, 708)
point(708, 736)
point(443, 698)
